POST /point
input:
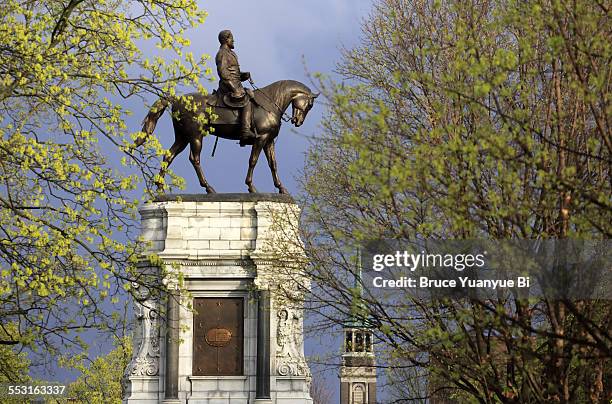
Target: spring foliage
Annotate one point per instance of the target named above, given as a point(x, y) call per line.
point(68, 174)
point(471, 120)
point(101, 381)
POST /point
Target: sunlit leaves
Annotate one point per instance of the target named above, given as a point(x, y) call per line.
point(67, 207)
point(469, 120)
point(100, 380)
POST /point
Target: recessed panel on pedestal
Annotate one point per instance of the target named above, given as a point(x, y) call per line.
point(218, 336)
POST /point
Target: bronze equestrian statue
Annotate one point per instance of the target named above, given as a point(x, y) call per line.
point(253, 118)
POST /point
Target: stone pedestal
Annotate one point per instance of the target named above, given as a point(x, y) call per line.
point(220, 246)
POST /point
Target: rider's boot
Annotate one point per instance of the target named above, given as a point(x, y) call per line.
point(246, 134)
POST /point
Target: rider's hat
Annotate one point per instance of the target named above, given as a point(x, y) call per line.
point(235, 102)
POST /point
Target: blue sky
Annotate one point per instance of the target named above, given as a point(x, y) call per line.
point(275, 40)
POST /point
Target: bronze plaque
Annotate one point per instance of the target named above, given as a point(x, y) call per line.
point(218, 336)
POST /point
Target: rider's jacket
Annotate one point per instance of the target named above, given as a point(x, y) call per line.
point(228, 70)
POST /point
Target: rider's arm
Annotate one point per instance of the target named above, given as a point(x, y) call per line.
point(223, 63)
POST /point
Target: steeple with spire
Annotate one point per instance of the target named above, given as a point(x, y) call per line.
point(358, 371)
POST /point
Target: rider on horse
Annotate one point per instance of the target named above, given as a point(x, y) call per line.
point(230, 85)
point(269, 110)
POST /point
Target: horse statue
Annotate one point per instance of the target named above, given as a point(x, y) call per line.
point(270, 103)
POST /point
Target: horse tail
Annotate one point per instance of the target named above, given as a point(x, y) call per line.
point(148, 124)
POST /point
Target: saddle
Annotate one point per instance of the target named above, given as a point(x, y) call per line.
point(226, 114)
point(236, 102)
point(217, 99)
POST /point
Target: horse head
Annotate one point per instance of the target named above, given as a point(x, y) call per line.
point(302, 103)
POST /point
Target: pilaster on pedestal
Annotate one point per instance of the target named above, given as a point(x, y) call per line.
point(243, 340)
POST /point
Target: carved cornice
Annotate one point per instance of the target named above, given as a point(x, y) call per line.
point(226, 197)
point(200, 262)
point(246, 264)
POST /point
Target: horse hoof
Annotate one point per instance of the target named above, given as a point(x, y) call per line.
point(252, 190)
point(283, 190)
point(210, 190)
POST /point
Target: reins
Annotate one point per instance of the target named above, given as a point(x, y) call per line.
point(284, 116)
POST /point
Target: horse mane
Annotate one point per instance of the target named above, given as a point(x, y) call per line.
point(281, 86)
point(278, 91)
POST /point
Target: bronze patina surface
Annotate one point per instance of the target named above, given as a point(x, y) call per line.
point(218, 336)
point(230, 84)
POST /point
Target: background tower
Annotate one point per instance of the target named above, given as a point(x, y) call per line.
point(358, 371)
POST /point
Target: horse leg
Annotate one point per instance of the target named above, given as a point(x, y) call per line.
point(255, 151)
point(271, 157)
point(194, 157)
point(175, 149)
